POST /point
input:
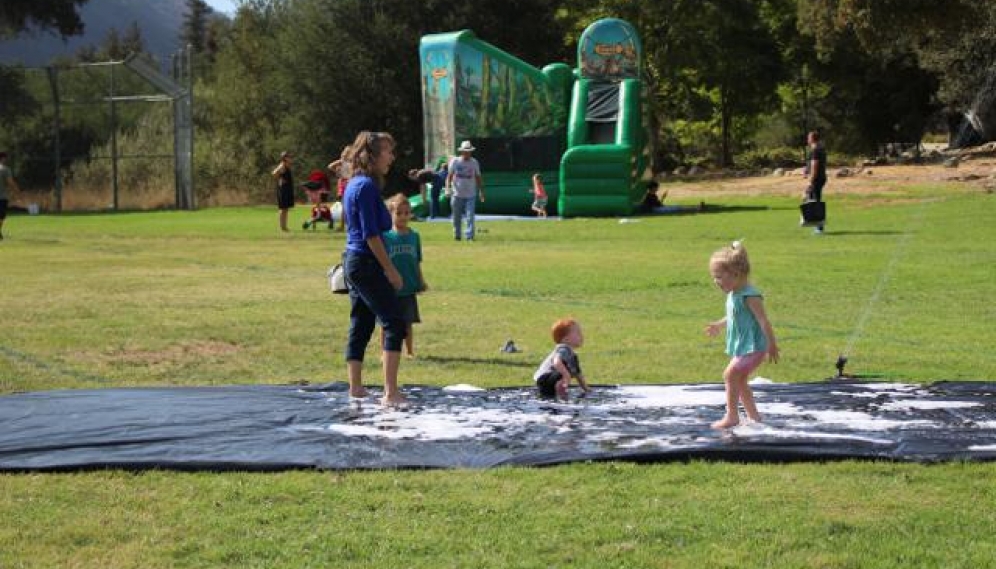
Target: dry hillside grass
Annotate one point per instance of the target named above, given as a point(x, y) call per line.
point(975, 170)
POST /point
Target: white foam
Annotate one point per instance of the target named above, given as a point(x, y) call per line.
point(901, 387)
point(855, 394)
point(765, 430)
point(463, 388)
point(984, 448)
point(681, 406)
point(665, 396)
point(850, 419)
point(444, 424)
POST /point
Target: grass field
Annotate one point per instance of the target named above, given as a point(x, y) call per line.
point(902, 282)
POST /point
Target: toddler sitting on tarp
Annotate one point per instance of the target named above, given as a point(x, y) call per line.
point(554, 375)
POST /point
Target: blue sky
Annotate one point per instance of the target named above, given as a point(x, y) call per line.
point(224, 6)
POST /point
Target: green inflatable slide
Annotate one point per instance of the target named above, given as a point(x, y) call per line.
point(580, 128)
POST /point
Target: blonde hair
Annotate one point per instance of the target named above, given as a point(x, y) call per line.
point(561, 328)
point(361, 155)
point(395, 201)
point(732, 259)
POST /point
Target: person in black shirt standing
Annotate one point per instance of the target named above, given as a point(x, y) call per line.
point(285, 187)
point(816, 171)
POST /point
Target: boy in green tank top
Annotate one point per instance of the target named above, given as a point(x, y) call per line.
point(404, 247)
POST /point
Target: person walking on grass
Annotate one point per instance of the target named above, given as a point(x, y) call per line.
point(404, 247)
point(285, 187)
point(539, 195)
point(6, 180)
point(466, 185)
point(749, 336)
point(438, 183)
point(816, 171)
point(372, 277)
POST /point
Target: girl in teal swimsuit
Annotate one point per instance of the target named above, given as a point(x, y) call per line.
point(749, 336)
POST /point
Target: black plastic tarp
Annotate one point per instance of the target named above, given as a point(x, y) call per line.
point(281, 427)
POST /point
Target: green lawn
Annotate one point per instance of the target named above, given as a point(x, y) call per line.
point(902, 281)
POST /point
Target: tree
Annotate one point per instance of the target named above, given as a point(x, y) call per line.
point(885, 25)
point(132, 40)
point(114, 46)
point(954, 40)
point(310, 74)
point(16, 16)
point(16, 100)
point(58, 15)
point(193, 32)
point(240, 107)
point(743, 66)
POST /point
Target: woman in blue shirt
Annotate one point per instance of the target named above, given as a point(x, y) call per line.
point(373, 279)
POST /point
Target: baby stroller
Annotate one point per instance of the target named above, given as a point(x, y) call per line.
point(322, 211)
point(317, 187)
point(325, 212)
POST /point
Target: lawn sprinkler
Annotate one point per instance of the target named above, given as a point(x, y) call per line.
point(841, 362)
point(509, 347)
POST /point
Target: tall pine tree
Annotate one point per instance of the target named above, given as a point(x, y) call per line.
point(193, 32)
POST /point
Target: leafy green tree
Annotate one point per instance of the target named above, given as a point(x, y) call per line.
point(194, 30)
point(132, 40)
point(954, 40)
point(16, 98)
point(370, 51)
point(241, 108)
point(58, 15)
point(114, 46)
point(16, 16)
point(307, 75)
point(744, 68)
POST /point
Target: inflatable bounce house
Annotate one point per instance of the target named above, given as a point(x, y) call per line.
point(582, 128)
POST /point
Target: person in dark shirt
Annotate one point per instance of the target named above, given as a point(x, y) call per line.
point(652, 201)
point(285, 187)
point(816, 171)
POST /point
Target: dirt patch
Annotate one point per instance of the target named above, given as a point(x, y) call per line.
point(173, 354)
point(972, 172)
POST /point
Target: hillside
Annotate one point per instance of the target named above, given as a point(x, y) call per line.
point(977, 169)
point(159, 20)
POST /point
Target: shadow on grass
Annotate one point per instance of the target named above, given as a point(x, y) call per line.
point(883, 232)
point(702, 208)
point(477, 361)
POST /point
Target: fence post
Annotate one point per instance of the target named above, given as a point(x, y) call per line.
point(53, 81)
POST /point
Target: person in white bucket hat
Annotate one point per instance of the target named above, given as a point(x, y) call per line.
point(465, 186)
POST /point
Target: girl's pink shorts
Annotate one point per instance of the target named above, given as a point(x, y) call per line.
point(747, 363)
